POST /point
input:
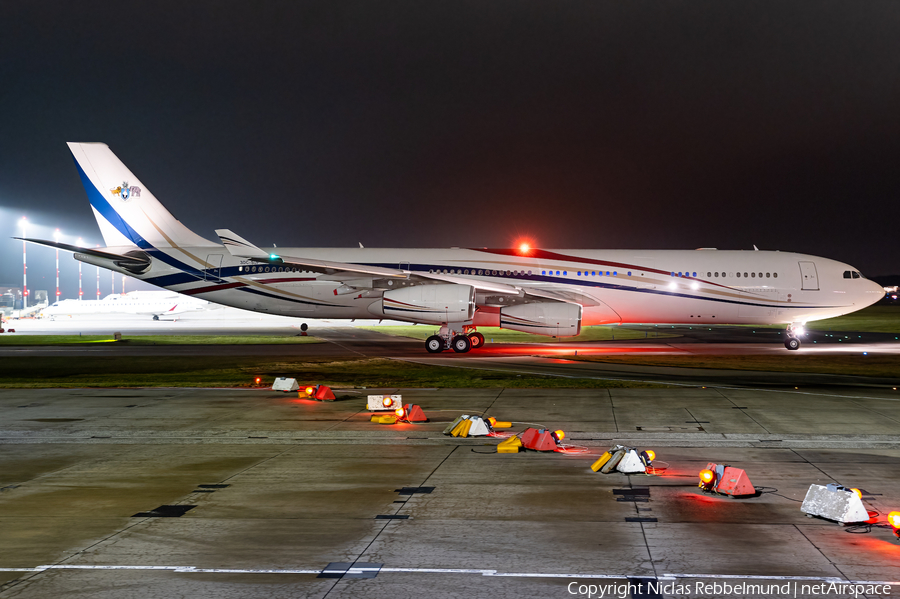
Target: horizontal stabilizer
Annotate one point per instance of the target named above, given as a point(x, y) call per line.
point(238, 246)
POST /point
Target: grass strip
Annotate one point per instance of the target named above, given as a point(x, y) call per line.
point(213, 371)
point(872, 365)
point(14, 340)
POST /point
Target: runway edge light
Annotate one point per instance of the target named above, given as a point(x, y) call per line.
point(834, 502)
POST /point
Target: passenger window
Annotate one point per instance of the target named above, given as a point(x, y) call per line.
point(717, 275)
point(753, 274)
point(768, 275)
point(565, 273)
point(629, 273)
point(739, 275)
point(775, 275)
point(745, 275)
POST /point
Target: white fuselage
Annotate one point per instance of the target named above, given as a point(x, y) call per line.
point(613, 286)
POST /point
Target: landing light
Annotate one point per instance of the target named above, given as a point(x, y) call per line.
point(672, 285)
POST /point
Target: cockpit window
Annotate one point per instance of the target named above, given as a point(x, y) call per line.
point(852, 274)
point(855, 274)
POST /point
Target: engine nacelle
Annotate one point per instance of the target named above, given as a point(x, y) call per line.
point(433, 304)
point(552, 319)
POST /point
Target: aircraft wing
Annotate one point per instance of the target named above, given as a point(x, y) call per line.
point(241, 248)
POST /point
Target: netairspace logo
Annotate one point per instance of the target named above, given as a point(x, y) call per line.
point(721, 589)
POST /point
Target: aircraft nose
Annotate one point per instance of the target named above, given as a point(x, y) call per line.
point(873, 293)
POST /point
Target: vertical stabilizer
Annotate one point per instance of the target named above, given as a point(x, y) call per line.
point(126, 211)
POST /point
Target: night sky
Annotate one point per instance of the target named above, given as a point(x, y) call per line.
point(597, 124)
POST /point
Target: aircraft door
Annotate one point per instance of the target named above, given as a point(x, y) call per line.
point(214, 269)
point(404, 265)
point(809, 276)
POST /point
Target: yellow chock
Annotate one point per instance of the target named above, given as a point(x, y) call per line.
point(458, 428)
point(386, 419)
point(510, 445)
point(596, 466)
point(465, 428)
point(499, 424)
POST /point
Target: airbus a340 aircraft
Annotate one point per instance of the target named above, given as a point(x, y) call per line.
point(548, 292)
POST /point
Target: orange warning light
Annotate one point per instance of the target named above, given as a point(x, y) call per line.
point(400, 412)
point(310, 390)
point(707, 476)
point(560, 435)
point(387, 402)
point(857, 492)
point(894, 520)
point(492, 420)
point(650, 454)
point(258, 380)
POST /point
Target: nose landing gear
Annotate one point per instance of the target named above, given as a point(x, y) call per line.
point(794, 331)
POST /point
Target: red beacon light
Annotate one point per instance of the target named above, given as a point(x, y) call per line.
point(258, 380)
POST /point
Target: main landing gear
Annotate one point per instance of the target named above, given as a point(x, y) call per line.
point(460, 342)
point(792, 342)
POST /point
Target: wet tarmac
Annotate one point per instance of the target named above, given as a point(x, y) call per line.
point(286, 497)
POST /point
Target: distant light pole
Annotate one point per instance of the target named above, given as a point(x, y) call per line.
point(56, 237)
point(98, 280)
point(80, 293)
point(22, 224)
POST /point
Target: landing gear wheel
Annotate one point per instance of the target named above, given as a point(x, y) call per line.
point(304, 327)
point(476, 340)
point(792, 343)
point(155, 317)
point(461, 344)
point(434, 344)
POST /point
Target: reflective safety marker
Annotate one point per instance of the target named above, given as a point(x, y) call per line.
point(539, 440)
point(510, 445)
point(285, 384)
point(834, 502)
point(726, 480)
point(377, 403)
point(627, 460)
point(317, 392)
point(411, 413)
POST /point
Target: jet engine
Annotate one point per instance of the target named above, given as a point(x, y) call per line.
point(433, 304)
point(552, 319)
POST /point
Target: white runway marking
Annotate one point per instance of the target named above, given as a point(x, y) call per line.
point(495, 573)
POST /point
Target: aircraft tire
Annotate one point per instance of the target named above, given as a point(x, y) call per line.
point(155, 317)
point(434, 344)
point(476, 340)
point(792, 343)
point(461, 344)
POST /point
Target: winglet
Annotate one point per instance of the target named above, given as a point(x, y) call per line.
point(238, 246)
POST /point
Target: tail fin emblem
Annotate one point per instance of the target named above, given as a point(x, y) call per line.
point(125, 191)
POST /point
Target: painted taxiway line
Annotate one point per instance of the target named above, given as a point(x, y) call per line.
point(482, 572)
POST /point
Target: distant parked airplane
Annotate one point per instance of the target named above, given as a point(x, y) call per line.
point(548, 292)
point(151, 303)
